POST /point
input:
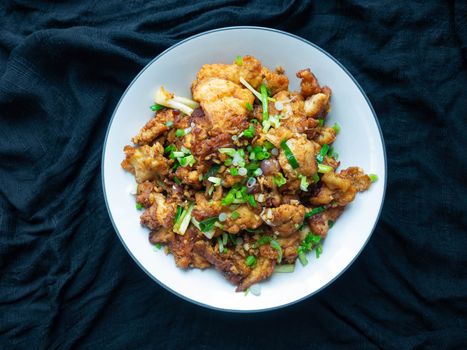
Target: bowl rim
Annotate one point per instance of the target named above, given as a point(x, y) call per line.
point(165, 52)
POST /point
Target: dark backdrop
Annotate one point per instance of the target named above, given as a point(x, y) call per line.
point(67, 282)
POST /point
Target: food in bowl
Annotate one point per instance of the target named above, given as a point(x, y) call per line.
point(241, 177)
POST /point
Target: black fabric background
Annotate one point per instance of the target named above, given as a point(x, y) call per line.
point(67, 282)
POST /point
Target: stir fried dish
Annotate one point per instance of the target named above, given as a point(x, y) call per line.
point(242, 176)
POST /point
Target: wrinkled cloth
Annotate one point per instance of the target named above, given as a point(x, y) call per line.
point(67, 282)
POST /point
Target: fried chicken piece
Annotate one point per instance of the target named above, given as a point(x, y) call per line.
point(205, 208)
point(275, 81)
point(289, 247)
point(305, 154)
point(360, 181)
point(155, 127)
point(224, 103)
point(285, 219)
point(231, 265)
point(309, 84)
point(335, 188)
point(247, 219)
point(162, 235)
point(263, 269)
point(182, 249)
point(250, 70)
point(276, 135)
point(189, 176)
point(160, 214)
point(145, 194)
point(319, 223)
point(317, 105)
point(325, 135)
point(146, 162)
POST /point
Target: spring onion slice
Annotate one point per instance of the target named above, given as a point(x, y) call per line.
point(288, 268)
point(253, 91)
point(186, 101)
point(373, 177)
point(181, 225)
point(302, 258)
point(323, 169)
point(264, 102)
point(250, 260)
point(208, 224)
point(212, 171)
point(314, 212)
point(275, 245)
point(322, 153)
point(288, 153)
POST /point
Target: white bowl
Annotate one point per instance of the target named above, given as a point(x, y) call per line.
point(359, 143)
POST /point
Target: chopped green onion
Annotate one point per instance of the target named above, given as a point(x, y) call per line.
point(225, 239)
point(239, 60)
point(169, 124)
point(183, 221)
point(235, 215)
point(139, 206)
point(230, 197)
point(250, 132)
point(284, 268)
point(178, 154)
point(156, 107)
point(279, 180)
point(233, 171)
point(251, 200)
point(228, 162)
point(264, 101)
point(249, 87)
point(268, 145)
point(319, 250)
point(330, 223)
point(315, 178)
point(322, 153)
point(275, 245)
point(373, 177)
point(157, 246)
point(258, 172)
point(336, 127)
point(229, 151)
point(289, 155)
point(250, 261)
point(303, 183)
point(221, 244)
point(179, 132)
point(332, 153)
point(177, 180)
point(215, 180)
point(322, 168)
point(302, 258)
point(242, 171)
point(208, 224)
point(320, 121)
point(187, 161)
point(266, 125)
point(212, 171)
point(262, 240)
point(179, 213)
point(169, 149)
point(249, 106)
point(314, 212)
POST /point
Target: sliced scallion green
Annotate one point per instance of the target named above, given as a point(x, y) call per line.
point(314, 212)
point(373, 177)
point(250, 260)
point(289, 155)
point(323, 168)
point(288, 268)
